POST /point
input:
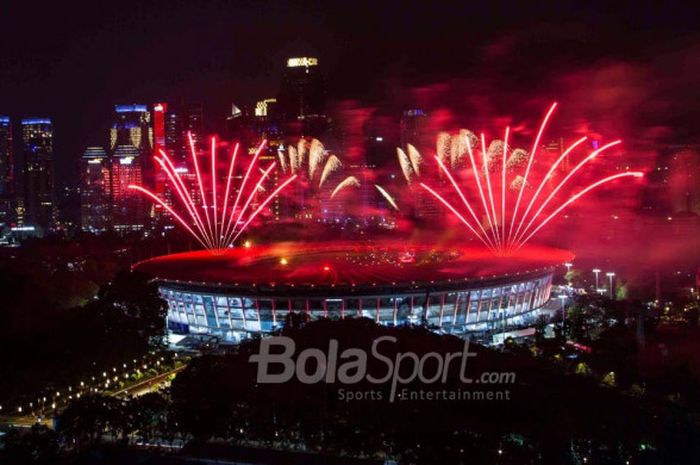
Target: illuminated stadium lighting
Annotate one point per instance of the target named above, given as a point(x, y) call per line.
point(244, 291)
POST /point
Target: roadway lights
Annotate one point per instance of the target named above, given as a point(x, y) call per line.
point(610, 276)
point(597, 272)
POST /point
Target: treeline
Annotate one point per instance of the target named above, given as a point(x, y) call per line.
point(46, 346)
point(550, 417)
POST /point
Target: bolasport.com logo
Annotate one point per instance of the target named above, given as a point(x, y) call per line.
point(383, 372)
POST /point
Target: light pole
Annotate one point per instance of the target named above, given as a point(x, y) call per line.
point(610, 276)
point(597, 272)
point(563, 307)
point(568, 266)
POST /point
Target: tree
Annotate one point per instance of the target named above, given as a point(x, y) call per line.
point(36, 446)
point(136, 297)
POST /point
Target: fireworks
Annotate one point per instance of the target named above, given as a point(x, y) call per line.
point(347, 182)
point(332, 164)
point(508, 229)
point(443, 145)
point(405, 163)
point(317, 153)
point(415, 158)
point(214, 227)
point(320, 160)
point(388, 197)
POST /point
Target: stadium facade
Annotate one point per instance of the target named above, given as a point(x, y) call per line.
point(242, 292)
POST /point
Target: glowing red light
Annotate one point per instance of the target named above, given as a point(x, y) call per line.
point(519, 232)
point(220, 227)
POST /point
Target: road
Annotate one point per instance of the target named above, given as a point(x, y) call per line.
point(146, 386)
point(135, 390)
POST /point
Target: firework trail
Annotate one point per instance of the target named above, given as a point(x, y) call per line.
point(509, 227)
point(332, 164)
point(320, 161)
point(217, 223)
point(283, 161)
point(458, 147)
point(443, 146)
point(347, 182)
point(317, 154)
point(301, 152)
point(415, 158)
point(387, 196)
point(517, 158)
point(406, 166)
point(495, 152)
point(293, 160)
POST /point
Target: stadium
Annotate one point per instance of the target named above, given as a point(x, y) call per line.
point(240, 292)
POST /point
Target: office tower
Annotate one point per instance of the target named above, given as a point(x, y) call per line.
point(6, 173)
point(132, 126)
point(6, 159)
point(159, 131)
point(128, 208)
point(236, 124)
point(159, 111)
point(179, 119)
point(38, 176)
point(683, 184)
point(193, 115)
point(95, 190)
point(414, 129)
point(302, 97)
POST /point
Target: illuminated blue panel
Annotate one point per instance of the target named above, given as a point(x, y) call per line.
point(130, 108)
point(4, 119)
point(36, 121)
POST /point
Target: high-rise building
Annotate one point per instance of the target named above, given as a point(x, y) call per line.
point(131, 146)
point(38, 176)
point(414, 130)
point(413, 127)
point(128, 208)
point(6, 158)
point(302, 98)
point(7, 187)
point(179, 119)
point(132, 126)
point(95, 190)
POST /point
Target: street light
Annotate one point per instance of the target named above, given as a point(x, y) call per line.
point(597, 272)
point(562, 297)
point(610, 275)
point(568, 266)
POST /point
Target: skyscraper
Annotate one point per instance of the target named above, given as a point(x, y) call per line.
point(132, 127)
point(179, 119)
point(413, 126)
point(302, 98)
point(131, 146)
point(6, 159)
point(128, 208)
point(6, 172)
point(38, 176)
point(96, 190)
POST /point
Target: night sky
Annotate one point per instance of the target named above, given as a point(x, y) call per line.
point(72, 60)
